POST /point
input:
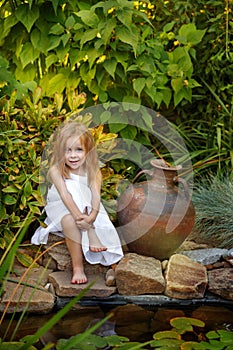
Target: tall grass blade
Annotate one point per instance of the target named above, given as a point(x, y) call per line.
point(80, 337)
point(32, 339)
point(217, 98)
point(8, 257)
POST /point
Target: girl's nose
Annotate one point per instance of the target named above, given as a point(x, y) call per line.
point(74, 153)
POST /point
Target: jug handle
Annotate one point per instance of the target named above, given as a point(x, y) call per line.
point(149, 172)
point(184, 184)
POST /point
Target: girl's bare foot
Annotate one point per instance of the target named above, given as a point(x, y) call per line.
point(94, 243)
point(79, 276)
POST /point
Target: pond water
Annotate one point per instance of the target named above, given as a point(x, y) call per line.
point(132, 321)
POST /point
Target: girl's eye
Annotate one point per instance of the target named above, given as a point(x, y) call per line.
point(69, 150)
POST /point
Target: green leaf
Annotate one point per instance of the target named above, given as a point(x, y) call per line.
point(168, 27)
point(173, 344)
point(89, 18)
point(183, 324)
point(88, 76)
point(55, 5)
point(2, 211)
point(131, 100)
point(151, 92)
point(107, 30)
point(56, 29)
point(105, 116)
point(27, 16)
point(115, 340)
point(27, 76)
point(196, 37)
point(69, 23)
point(167, 94)
point(65, 38)
point(130, 346)
point(116, 127)
point(37, 94)
point(2, 243)
point(110, 66)
point(129, 132)
point(57, 83)
point(103, 96)
point(25, 259)
point(9, 200)
point(27, 189)
point(28, 54)
point(34, 208)
point(189, 34)
point(125, 17)
point(126, 36)
point(167, 335)
point(191, 345)
point(92, 54)
point(138, 85)
point(51, 59)
point(177, 84)
point(9, 22)
point(53, 42)
point(178, 97)
point(14, 345)
point(147, 118)
point(10, 189)
point(88, 35)
point(225, 336)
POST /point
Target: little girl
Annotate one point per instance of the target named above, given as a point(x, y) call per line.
point(73, 207)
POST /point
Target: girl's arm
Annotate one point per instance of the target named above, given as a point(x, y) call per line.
point(66, 197)
point(95, 191)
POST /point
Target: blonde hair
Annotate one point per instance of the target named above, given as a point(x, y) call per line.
point(75, 129)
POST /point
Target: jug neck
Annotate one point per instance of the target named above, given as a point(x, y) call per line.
point(164, 174)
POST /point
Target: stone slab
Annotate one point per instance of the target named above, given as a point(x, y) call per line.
point(63, 287)
point(18, 297)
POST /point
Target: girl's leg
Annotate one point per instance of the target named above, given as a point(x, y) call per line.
point(73, 242)
point(95, 244)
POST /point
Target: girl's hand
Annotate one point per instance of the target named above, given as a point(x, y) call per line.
point(84, 222)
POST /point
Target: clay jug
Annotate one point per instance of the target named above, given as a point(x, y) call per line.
point(157, 215)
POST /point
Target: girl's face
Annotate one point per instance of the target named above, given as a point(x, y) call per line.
point(75, 155)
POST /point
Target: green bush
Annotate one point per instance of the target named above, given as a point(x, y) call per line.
point(114, 51)
point(25, 130)
point(212, 199)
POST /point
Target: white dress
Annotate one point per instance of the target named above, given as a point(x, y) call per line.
point(106, 232)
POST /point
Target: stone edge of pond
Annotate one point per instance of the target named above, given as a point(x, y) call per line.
point(148, 301)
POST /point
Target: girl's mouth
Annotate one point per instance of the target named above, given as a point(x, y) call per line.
point(73, 162)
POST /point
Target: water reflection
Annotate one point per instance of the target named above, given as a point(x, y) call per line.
point(135, 322)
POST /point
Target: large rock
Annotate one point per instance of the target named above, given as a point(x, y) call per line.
point(221, 282)
point(18, 297)
point(136, 274)
point(58, 252)
point(205, 256)
point(63, 287)
point(185, 279)
point(30, 291)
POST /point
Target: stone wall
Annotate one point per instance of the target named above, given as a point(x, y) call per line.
point(195, 272)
